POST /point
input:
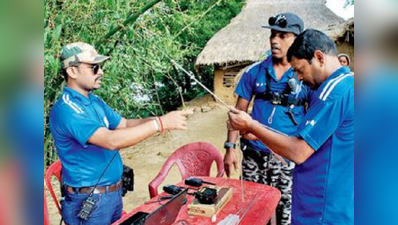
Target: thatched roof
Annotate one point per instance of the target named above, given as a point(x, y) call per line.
point(342, 32)
point(245, 41)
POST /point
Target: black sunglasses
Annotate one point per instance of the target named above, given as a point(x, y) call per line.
point(277, 20)
point(95, 68)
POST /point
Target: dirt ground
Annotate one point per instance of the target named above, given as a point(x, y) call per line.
point(207, 124)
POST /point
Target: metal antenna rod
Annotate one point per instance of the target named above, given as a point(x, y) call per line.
point(203, 86)
point(247, 210)
point(225, 104)
point(242, 185)
point(215, 96)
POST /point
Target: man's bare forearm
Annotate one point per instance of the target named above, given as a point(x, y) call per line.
point(122, 138)
point(136, 122)
point(292, 148)
point(233, 136)
point(243, 105)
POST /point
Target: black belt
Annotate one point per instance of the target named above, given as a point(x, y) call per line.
point(96, 190)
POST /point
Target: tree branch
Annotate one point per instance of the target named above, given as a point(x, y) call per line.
point(129, 20)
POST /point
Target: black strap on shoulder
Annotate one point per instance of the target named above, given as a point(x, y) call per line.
point(278, 98)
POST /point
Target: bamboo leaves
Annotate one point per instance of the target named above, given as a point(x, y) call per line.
point(141, 37)
point(129, 20)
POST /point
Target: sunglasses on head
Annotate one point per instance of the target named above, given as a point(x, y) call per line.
point(278, 20)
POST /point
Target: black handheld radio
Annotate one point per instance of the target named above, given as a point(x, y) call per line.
point(172, 189)
point(88, 205)
point(196, 182)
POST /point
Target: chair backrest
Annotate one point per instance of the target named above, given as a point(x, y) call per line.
point(194, 159)
point(53, 170)
point(46, 215)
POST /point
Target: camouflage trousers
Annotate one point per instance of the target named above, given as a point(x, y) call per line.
point(265, 168)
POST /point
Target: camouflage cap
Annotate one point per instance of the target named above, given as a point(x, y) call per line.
point(80, 52)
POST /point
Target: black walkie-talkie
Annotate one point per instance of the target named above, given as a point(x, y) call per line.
point(196, 182)
point(172, 189)
point(87, 207)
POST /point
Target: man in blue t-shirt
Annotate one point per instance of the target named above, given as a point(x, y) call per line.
point(323, 145)
point(279, 103)
point(88, 134)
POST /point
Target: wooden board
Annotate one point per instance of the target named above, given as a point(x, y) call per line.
point(198, 209)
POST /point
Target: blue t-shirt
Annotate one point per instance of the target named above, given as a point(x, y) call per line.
point(376, 142)
point(323, 188)
point(73, 120)
point(253, 82)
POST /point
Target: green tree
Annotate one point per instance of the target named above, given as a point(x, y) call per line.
point(139, 80)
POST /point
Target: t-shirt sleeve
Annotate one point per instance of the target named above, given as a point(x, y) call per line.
point(320, 122)
point(244, 88)
point(113, 117)
point(78, 126)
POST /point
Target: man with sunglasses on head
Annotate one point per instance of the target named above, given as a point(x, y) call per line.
point(88, 134)
point(323, 145)
point(279, 100)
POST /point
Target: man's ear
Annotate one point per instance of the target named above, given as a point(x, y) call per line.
point(72, 72)
point(320, 57)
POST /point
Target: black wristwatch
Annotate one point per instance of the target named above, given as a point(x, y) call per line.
point(228, 145)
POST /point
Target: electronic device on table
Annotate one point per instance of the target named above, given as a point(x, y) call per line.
point(164, 215)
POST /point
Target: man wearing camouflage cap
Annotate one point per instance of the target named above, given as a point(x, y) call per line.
point(278, 103)
point(87, 134)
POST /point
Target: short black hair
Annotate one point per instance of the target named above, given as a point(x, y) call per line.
point(65, 73)
point(305, 45)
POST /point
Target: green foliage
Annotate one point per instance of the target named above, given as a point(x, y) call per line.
point(139, 79)
point(348, 2)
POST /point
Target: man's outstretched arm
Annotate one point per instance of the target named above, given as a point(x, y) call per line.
point(129, 136)
point(292, 148)
point(125, 123)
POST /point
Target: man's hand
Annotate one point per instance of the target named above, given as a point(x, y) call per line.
point(230, 161)
point(239, 120)
point(176, 120)
point(250, 136)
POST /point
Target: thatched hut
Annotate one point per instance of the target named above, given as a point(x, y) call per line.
point(244, 41)
point(343, 34)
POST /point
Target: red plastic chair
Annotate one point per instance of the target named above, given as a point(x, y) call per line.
point(54, 170)
point(194, 159)
point(46, 215)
